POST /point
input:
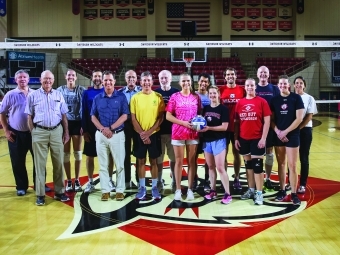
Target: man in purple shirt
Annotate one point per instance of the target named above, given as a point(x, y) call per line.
point(47, 121)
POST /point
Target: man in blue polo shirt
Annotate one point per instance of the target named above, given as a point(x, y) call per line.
point(109, 112)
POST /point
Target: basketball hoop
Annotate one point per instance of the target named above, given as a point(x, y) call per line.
point(188, 61)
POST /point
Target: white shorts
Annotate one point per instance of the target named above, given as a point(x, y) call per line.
point(184, 142)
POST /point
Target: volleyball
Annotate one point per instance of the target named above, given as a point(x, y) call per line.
point(198, 122)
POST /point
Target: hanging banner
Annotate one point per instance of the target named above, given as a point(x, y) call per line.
point(3, 8)
point(269, 2)
point(138, 3)
point(253, 13)
point(253, 2)
point(75, 7)
point(138, 13)
point(238, 13)
point(269, 25)
point(253, 25)
point(90, 14)
point(300, 7)
point(123, 3)
point(238, 2)
point(285, 26)
point(225, 7)
point(285, 3)
point(151, 6)
point(269, 13)
point(106, 3)
point(90, 3)
point(285, 13)
point(106, 14)
point(238, 25)
point(123, 13)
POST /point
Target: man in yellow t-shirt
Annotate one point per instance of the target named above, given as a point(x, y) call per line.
point(147, 111)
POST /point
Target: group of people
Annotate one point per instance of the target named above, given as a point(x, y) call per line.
point(137, 119)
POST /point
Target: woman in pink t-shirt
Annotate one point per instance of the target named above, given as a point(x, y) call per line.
point(183, 106)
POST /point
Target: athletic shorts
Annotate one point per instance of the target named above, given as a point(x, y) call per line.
point(140, 149)
point(215, 147)
point(230, 137)
point(90, 148)
point(74, 127)
point(293, 141)
point(249, 147)
point(166, 145)
point(184, 142)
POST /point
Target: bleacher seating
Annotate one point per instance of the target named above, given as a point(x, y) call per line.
point(87, 65)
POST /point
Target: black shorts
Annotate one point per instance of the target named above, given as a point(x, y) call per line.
point(74, 127)
point(293, 141)
point(270, 138)
point(249, 147)
point(230, 137)
point(90, 148)
point(140, 149)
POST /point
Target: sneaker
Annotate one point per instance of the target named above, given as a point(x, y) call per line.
point(141, 193)
point(89, 188)
point(288, 187)
point(211, 195)
point(160, 185)
point(178, 195)
point(155, 193)
point(206, 186)
point(295, 199)
point(61, 197)
point(40, 200)
point(237, 184)
point(105, 196)
point(119, 196)
point(258, 199)
point(69, 187)
point(268, 184)
point(247, 195)
point(173, 187)
point(77, 186)
point(190, 195)
point(280, 196)
point(226, 199)
point(301, 190)
point(112, 186)
point(21, 192)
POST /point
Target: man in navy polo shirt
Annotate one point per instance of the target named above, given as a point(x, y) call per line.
point(109, 112)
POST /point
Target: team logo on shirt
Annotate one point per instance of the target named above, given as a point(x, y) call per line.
point(232, 95)
point(284, 106)
point(209, 118)
point(248, 108)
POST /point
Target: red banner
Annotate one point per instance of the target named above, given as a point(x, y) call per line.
point(106, 14)
point(90, 3)
point(90, 14)
point(269, 13)
point(253, 13)
point(138, 2)
point(75, 7)
point(285, 25)
point(238, 13)
point(253, 25)
point(138, 13)
point(253, 2)
point(238, 25)
point(269, 25)
point(123, 3)
point(123, 13)
point(238, 2)
point(269, 2)
point(285, 2)
point(106, 3)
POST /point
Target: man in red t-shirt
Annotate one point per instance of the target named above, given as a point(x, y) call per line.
point(230, 95)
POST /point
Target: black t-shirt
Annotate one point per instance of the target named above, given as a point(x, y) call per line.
point(215, 116)
point(267, 92)
point(284, 109)
point(166, 125)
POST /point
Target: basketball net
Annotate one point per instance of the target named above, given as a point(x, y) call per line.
point(188, 62)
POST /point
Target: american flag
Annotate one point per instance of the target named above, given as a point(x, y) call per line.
point(177, 12)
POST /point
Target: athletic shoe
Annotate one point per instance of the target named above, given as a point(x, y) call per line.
point(89, 188)
point(190, 195)
point(77, 186)
point(237, 184)
point(61, 197)
point(40, 200)
point(112, 186)
point(258, 199)
point(247, 195)
point(268, 184)
point(226, 199)
point(280, 196)
point(69, 187)
point(105, 196)
point(301, 190)
point(160, 185)
point(21, 192)
point(178, 195)
point(173, 187)
point(288, 187)
point(211, 195)
point(141, 193)
point(119, 196)
point(207, 186)
point(295, 199)
point(155, 193)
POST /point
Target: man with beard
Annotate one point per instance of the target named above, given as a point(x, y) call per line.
point(89, 130)
point(267, 91)
point(231, 94)
point(129, 91)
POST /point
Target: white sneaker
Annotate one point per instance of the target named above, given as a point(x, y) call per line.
point(89, 188)
point(178, 195)
point(258, 200)
point(190, 195)
point(69, 187)
point(112, 186)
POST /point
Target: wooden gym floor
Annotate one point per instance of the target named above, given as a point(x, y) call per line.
point(88, 226)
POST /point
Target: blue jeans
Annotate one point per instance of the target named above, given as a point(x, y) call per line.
point(306, 138)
